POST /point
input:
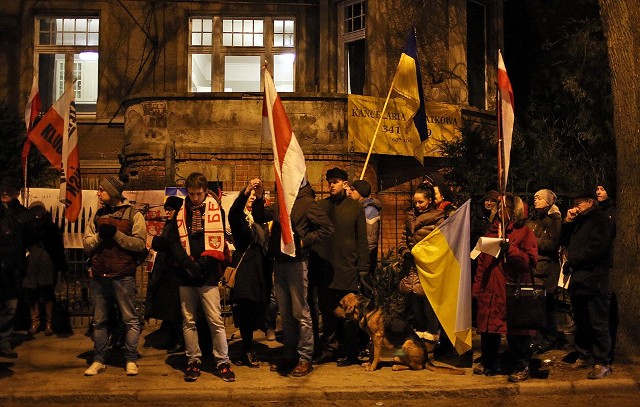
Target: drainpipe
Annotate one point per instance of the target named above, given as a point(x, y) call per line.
point(169, 165)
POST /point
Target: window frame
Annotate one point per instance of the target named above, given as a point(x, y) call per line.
point(219, 51)
point(69, 51)
point(345, 38)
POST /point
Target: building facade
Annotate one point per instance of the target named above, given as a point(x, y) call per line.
point(164, 88)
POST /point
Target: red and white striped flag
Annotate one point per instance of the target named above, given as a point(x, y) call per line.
point(31, 112)
point(508, 117)
point(288, 159)
point(71, 185)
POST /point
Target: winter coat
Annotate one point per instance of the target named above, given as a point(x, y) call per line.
point(417, 226)
point(163, 295)
point(253, 276)
point(340, 260)
point(12, 249)
point(211, 269)
point(310, 224)
point(46, 250)
point(489, 286)
point(372, 209)
point(118, 256)
point(546, 227)
point(588, 240)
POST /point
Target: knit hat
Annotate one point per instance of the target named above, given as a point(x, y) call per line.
point(336, 172)
point(173, 203)
point(607, 186)
point(492, 195)
point(362, 186)
point(546, 195)
point(113, 186)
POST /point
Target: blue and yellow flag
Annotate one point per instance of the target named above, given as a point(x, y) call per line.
point(444, 267)
point(407, 83)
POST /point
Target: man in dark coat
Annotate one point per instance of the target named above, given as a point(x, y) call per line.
point(587, 236)
point(12, 260)
point(342, 260)
point(310, 226)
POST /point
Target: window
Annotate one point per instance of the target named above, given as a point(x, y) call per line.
point(476, 54)
point(353, 29)
point(67, 55)
point(226, 54)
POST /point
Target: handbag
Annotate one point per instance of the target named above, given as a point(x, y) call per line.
point(526, 305)
point(229, 276)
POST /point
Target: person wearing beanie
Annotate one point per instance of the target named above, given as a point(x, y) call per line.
point(604, 194)
point(545, 222)
point(518, 254)
point(113, 186)
point(343, 260)
point(114, 239)
point(587, 235)
point(361, 192)
point(12, 267)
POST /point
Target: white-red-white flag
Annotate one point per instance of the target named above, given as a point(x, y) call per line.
point(508, 117)
point(288, 160)
point(31, 112)
point(71, 185)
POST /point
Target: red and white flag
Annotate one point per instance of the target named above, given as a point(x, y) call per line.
point(56, 136)
point(31, 112)
point(508, 117)
point(71, 187)
point(288, 160)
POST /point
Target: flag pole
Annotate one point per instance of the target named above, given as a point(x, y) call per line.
point(501, 183)
point(375, 134)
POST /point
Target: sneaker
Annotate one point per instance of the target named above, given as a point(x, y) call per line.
point(519, 375)
point(95, 368)
point(481, 370)
point(599, 372)
point(583, 363)
point(251, 360)
point(225, 373)
point(271, 335)
point(303, 368)
point(193, 372)
point(132, 368)
point(283, 365)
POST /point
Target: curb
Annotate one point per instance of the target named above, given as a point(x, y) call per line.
point(536, 388)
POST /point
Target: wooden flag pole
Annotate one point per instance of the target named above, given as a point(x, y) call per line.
point(375, 134)
point(501, 186)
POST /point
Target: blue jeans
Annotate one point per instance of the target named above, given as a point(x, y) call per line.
point(291, 283)
point(7, 312)
point(104, 291)
point(209, 297)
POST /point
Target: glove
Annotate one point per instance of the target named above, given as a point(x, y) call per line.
point(107, 231)
point(407, 255)
point(160, 244)
point(504, 246)
point(193, 270)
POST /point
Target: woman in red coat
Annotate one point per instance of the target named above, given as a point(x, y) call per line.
point(518, 256)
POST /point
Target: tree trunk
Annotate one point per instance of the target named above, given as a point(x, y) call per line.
point(620, 20)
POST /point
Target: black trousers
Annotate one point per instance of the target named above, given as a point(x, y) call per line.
point(336, 331)
point(518, 345)
point(592, 336)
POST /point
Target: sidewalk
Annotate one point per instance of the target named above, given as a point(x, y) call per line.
point(50, 369)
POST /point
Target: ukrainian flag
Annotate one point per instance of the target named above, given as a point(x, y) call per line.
point(407, 83)
point(444, 267)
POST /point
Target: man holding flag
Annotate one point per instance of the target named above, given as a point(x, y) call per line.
point(298, 223)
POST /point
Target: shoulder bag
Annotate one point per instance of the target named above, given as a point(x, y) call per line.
point(526, 305)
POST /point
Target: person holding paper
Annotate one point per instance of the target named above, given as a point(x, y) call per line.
point(517, 257)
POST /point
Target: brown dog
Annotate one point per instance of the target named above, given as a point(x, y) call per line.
point(393, 339)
